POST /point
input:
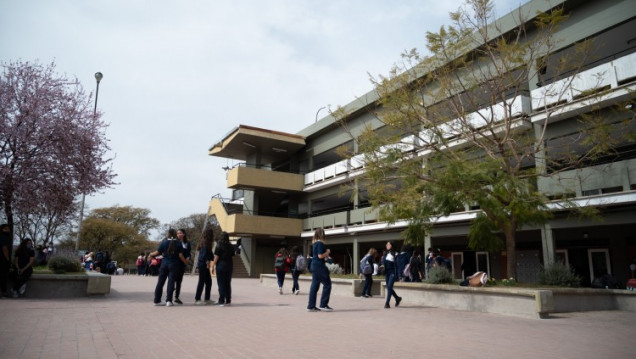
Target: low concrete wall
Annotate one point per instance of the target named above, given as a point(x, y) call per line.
point(67, 285)
point(529, 303)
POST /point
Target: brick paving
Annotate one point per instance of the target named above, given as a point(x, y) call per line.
point(263, 324)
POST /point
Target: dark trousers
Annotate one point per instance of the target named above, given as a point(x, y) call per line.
point(21, 279)
point(224, 282)
point(319, 275)
point(205, 280)
point(178, 279)
point(390, 280)
point(4, 275)
point(166, 271)
point(295, 275)
point(368, 283)
point(280, 278)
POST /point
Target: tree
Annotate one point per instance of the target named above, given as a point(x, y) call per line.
point(123, 231)
point(193, 224)
point(52, 147)
point(452, 130)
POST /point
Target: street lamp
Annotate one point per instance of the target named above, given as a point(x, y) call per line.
point(98, 78)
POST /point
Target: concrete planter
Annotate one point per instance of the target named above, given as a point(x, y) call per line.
point(521, 302)
point(67, 285)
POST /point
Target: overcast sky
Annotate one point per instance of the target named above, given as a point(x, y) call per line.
point(179, 75)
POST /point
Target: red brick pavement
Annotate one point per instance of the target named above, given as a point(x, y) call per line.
point(263, 324)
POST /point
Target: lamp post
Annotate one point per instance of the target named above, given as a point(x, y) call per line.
point(98, 78)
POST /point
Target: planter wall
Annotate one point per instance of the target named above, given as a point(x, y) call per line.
point(67, 285)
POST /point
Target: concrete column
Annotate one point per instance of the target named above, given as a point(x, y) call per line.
point(356, 256)
point(547, 242)
point(427, 243)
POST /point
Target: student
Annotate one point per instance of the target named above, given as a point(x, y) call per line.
point(171, 250)
point(297, 262)
point(367, 262)
point(390, 274)
point(203, 265)
point(223, 268)
point(281, 265)
point(319, 274)
point(24, 258)
point(182, 236)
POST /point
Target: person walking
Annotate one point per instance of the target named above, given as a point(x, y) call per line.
point(319, 274)
point(182, 236)
point(390, 274)
point(366, 270)
point(299, 264)
point(172, 253)
point(24, 259)
point(203, 265)
point(223, 268)
point(281, 265)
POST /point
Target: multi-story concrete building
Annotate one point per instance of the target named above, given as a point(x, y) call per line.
point(290, 184)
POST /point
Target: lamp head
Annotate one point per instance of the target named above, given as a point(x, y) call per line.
point(98, 76)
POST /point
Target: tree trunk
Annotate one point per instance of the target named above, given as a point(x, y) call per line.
point(511, 253)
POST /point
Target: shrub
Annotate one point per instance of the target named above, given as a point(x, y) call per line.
point(64, 262)
point(334, 268)
point(559, 274)
point(439, 275)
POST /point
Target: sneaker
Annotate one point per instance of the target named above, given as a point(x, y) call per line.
point(314, 309)
point(198, 302)
point(158, 304)
point(219, 304)
point(298, 291)
point(280, 290)
point(365, 296)
point(178, 301)
point(326, 308)
point(397, 301)
point(209, 302)
point(387, 306)
point(227, 304)
point(15, 294)
point(169, 303)
point(22, 289)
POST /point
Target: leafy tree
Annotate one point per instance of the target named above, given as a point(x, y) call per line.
point(123, 231)
point(52, 148)
point(193, 224)
point(451, 130)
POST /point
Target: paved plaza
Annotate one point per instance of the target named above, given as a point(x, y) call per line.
point(263, 324)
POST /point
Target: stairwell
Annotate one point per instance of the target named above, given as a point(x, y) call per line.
point(240, 271)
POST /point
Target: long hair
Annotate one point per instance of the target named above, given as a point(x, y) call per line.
point(208, 240)
point(185, 235)
point(22, 248)
point(319, 234)
point(172, 234)
point(295, 251)
point(224, 242)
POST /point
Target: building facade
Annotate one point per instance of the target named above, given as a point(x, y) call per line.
point(287, 185)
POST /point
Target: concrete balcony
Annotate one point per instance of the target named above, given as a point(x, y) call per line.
point(249, 177)
point(240, 224)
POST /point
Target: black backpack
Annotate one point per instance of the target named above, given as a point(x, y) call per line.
point(279, 263)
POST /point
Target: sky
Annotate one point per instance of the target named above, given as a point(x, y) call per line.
point(180, 75)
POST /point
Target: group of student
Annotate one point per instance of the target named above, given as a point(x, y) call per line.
point(20, 269)
point(176, 252)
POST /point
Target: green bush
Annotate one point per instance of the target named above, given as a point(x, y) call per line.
point(64, 262)
point(559, 274)
point(439, 275)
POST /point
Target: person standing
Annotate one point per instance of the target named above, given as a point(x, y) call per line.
point(24, 259)
point(366, 270)
point(223, 268)
point(6, 246)
point(182, 236)
point(141, 264)
point(319, 274)
point(203, 265)
point(297, 262)
point(390, 274)
point(281, 265)
point(171, 250)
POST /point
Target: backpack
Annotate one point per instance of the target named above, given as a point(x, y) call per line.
point(140, 262)
point(301, 263)
point(365, 266)
point(407, 271)
point(99, 257)
point(279, 263)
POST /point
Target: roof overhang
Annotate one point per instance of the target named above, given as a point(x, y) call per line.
point(244, 141)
